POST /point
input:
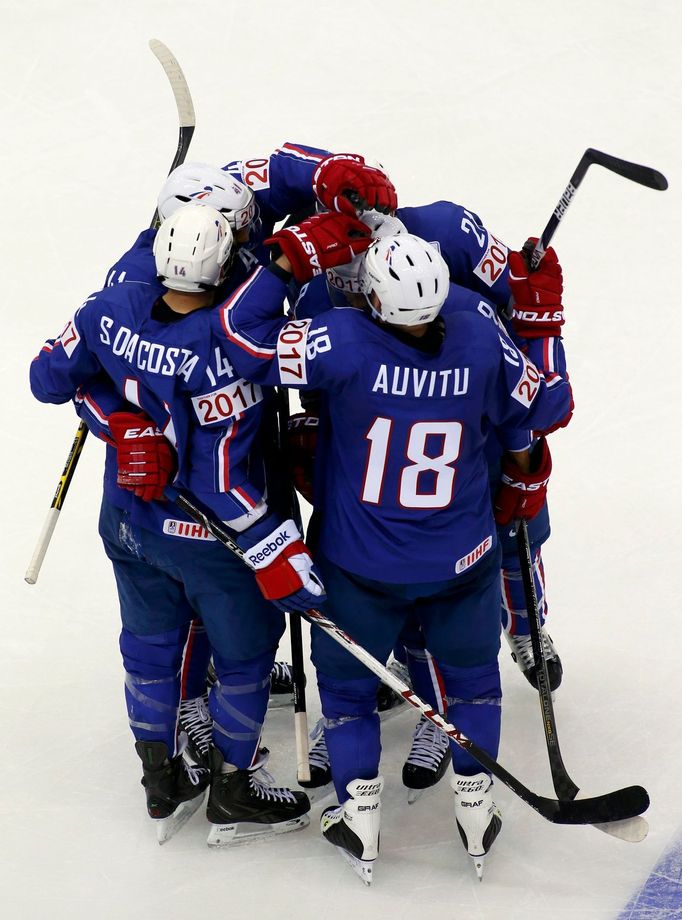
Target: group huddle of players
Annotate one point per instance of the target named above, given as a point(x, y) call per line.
point(431, 369)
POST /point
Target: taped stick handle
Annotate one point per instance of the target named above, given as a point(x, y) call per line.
point(33, 570)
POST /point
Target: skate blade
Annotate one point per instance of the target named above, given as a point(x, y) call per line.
point(632, 830)
point(168, 827)
point(223, 835)
point(280, 700)
point(361, 867)
point(479, 865)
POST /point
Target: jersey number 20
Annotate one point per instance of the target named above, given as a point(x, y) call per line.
point(441, 482)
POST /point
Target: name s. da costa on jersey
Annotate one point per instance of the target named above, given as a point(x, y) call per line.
point(147, 356)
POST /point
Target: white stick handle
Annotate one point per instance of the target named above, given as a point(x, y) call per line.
point(301, 734)
point(33, 569)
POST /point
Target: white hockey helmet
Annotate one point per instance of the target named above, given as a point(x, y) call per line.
point(346, 278)
point(206, 184)
point(409, 277)
point(192, 248)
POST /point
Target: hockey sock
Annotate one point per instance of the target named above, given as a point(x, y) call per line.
point(514, 613)
point(351, 729)
point(238, 702)
point(152, 683)
point(195, 662)
point(474, 699)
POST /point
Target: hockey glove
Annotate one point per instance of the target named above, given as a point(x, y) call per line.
point(302, 432)
point(321, 242)
point(282, 564)
point(145, 459)
point(537, 308)
point(345, 183)
point(522, 495)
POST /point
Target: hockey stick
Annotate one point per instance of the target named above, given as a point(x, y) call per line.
point(564, 786)
point(297, 663)
point(634, 830)
point(187, 122)
point(613, 806)
point(644, 175)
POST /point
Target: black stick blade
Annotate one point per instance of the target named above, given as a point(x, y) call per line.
point(644, 175)
point(614, 806)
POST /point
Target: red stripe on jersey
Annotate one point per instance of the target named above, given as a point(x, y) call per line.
point(224, 472)
point(305, 153)
point(244, 497)
point(508, 605)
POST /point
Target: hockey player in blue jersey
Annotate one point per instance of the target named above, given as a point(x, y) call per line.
point(253, 194)
point(408, 522)
point(477, 260)
point(158, 350)
point(428, 758)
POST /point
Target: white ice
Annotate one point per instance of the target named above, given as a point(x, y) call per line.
point(491, 105)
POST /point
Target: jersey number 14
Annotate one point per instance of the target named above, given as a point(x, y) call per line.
point(414, 490)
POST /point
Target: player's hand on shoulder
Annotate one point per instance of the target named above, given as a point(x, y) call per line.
point(282, 564)
point(522, 494)
point(537, 310)
point(302, 439)
point(344, 182)
point(145, 459)
point(321, 242)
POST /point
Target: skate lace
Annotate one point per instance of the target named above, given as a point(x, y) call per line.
point(522, 646)
point(428, 745)
point(195, 773)
point(196, 720)
point(281, 671)
point(318, 755)
point(261, 782)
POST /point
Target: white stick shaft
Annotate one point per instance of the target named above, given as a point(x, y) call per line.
point(301, 732)
point(36, 562)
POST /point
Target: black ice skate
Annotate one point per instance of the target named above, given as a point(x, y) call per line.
point(427, 761)
point(242, 806)
point(522, 653)
point(478, 817)
point(195, 721)
point(320, 783)
point(281, 686)
point(354, 826)
point(174, 788)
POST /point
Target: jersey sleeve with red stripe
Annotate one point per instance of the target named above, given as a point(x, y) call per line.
point(283, 181)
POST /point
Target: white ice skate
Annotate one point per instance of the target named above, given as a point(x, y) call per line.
point(478, 818)
point(354, 826)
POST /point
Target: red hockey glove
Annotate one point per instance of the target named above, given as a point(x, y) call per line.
point(302, 431)
point(321, 242)
point(282, 564)
point(538, 310)
point(145, 458)
point(522, 495)
point(345, 183)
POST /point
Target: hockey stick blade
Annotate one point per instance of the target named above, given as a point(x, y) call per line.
point(644, 175)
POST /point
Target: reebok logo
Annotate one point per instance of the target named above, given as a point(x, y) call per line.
point(272, 548)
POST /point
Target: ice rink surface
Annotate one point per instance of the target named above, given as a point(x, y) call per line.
point(490, 105)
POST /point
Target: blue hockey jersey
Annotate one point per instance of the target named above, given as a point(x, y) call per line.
point(405, 479)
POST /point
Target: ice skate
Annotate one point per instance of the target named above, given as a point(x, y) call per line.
point(478, 818)
point(427, 761)
point(389, 703)
point(522, 653)
point(195, 721)
point(320, 783)
point(354, 826)
point(174, 788)
point(281, 686)
point(243, 806)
